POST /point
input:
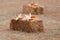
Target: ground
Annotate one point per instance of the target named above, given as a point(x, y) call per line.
point(51, 20)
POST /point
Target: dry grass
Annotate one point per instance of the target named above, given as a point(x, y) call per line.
point(10, 8)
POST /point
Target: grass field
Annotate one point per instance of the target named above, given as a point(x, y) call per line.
point(51, 20)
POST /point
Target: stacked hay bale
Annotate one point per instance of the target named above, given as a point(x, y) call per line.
point(32, 8)
point(26, 26)
point(27, 22)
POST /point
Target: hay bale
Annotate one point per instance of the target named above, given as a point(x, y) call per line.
point(36, 9)
point(26, 26)
point(13, 24)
